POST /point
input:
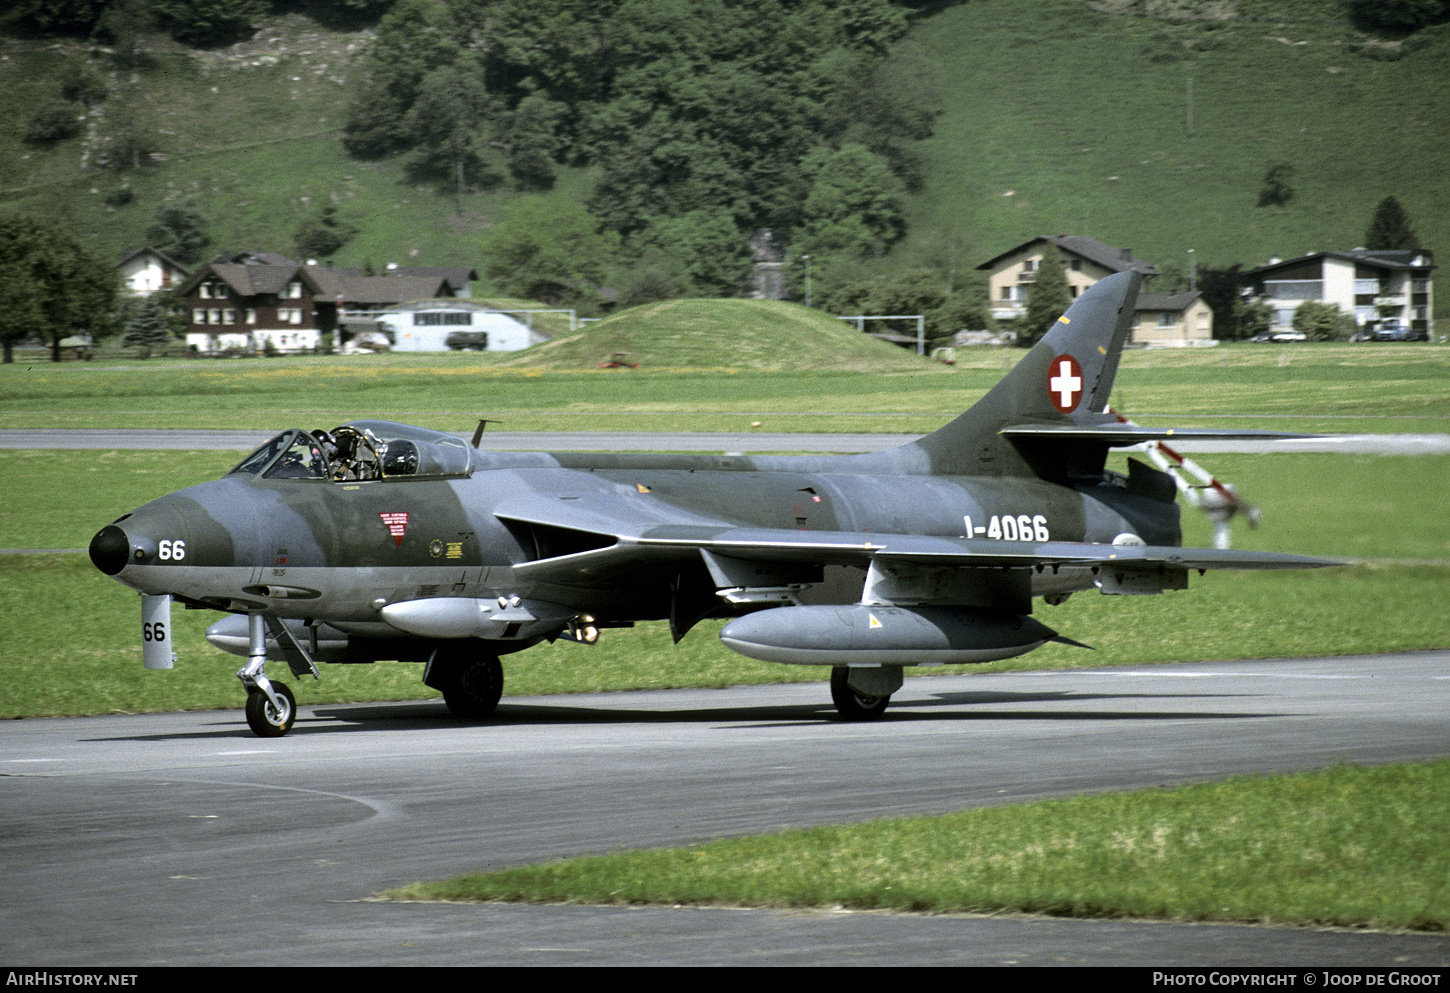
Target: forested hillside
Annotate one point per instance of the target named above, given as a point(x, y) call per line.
point(630, 150)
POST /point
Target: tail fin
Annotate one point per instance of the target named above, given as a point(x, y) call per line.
point(1060, 387)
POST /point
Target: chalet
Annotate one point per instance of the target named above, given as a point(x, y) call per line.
point(1085, 260)
point(146, 270)
point(257, 300)
point(1172, 319)
point(1374, 286)
point(1162, 318)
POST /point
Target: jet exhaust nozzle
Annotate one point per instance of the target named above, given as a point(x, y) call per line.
point(867, 634)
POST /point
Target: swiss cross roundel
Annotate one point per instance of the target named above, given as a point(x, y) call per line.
point(1064, 383)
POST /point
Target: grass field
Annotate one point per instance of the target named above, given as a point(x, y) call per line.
point(1325, 388)
point(1345, 847)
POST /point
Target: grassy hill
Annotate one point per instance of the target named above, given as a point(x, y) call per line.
point(1059, 116)
point(1155, 133)
point(722, 334)
point(250, 134)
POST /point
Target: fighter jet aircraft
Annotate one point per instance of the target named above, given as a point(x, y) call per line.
point(382, 541)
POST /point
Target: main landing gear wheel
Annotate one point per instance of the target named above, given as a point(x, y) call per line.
point(851, 704)
point(266, 720)
point(473, 690)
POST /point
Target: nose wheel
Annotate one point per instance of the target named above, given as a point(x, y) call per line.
point(268, 719)
point(271, 707)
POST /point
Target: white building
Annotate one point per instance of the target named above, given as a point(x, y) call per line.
point(1372, 285)
point(424, 326)
point(146, 270)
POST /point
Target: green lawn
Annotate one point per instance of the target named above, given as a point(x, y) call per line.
point(1346, 847)
point(1323, 388)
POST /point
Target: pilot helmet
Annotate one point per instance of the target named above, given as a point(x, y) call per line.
point(400, 458)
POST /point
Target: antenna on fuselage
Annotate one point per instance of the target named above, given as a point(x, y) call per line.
point(483, 422)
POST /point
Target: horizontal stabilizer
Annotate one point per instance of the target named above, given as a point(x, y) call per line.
point(1117, 435)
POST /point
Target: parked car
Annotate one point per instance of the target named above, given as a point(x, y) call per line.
point(1394, 330)
point(459, 341)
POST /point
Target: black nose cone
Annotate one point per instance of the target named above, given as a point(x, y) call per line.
point(110, 549)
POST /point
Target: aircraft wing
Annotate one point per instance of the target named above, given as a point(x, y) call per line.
point(615, 551)
point(964, 553)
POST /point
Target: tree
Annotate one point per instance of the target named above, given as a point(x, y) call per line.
point(655, 275)
point(20, 289)
point(147, 327)
point(413, 39)
point(53, 121)
point(204, 23)
point(321, 234)
point(72, 17)
point(889, 103)
point(1390, 228)
point(453, 118)
point(856, 206)
point(83, 83)
point(1276, 191)
point(1255, 319)
point(1220, 288)
point(682, 105)
point(533, 142)
point(50, 286)
point(179, 230)
point(125, 24)
point(707, 250)
point(959, 312)
point(549, 248)
point(1323, 321)
point(1397, 15)
point(1047, 299)
point(124, 139)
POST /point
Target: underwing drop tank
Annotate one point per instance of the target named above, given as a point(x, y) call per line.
point(870, 634)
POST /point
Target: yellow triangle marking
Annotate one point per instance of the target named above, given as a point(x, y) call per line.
point(874, 622)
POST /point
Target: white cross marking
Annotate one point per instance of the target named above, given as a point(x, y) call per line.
point(1065, 385)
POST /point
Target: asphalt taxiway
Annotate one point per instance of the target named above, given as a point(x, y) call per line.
point(181, 839)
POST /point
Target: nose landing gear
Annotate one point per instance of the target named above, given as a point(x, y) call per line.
point(271, 707)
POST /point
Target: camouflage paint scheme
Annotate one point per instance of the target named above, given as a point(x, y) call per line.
point(385, 541)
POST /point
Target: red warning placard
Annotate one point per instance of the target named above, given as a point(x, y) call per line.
point(397, 524)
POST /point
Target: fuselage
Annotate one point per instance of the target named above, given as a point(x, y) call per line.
point(339, 550)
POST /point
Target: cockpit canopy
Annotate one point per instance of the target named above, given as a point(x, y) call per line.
point(361, 450)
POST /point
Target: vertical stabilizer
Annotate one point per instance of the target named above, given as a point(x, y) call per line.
point(1065, 379)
